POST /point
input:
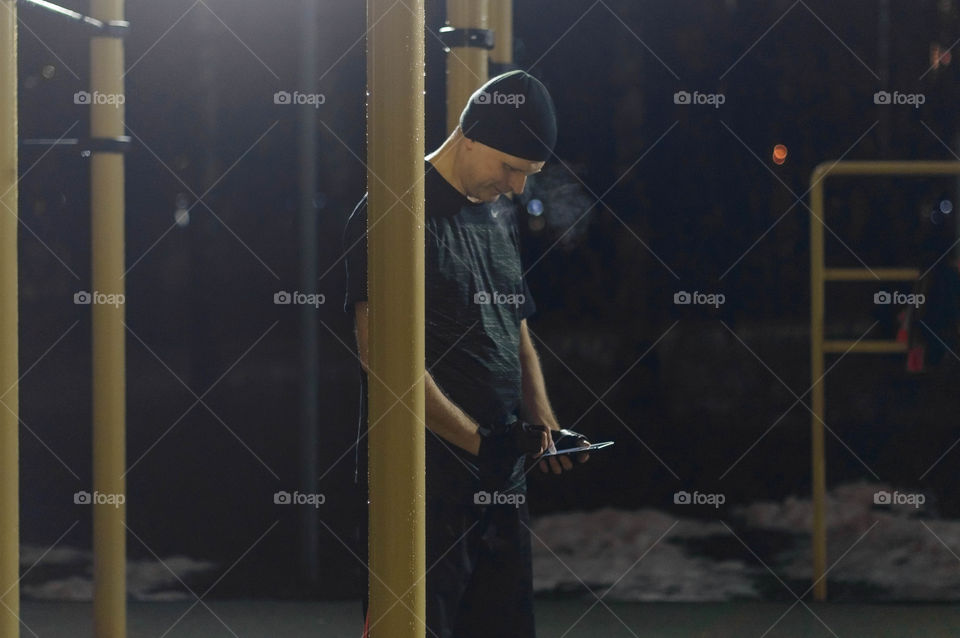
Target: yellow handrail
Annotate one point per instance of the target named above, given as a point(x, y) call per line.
point(819, 275)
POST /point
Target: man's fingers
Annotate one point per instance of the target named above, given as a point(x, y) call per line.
point(583, 457)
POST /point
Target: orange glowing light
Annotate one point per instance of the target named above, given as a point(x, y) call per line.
point(779, 154)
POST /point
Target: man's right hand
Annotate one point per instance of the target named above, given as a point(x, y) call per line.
point(500, 451)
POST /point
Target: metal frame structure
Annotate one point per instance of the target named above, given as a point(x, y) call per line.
point(819, 346)
point(9, 364)
point(107, 28)
point(397, 409)
point(467, 62)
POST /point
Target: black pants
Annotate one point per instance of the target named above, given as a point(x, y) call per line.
point(479, 571)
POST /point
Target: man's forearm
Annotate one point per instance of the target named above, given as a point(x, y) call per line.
point(446, 419)
point(443, 416)
point(536, 406)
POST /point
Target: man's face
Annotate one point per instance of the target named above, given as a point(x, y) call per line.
point(488, 173)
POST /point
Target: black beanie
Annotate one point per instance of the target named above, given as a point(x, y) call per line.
point(514, 114)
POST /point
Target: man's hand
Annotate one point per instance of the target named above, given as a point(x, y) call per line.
point(564, 439)
point(501, 451)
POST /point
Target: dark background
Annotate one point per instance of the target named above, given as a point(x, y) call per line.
point(686, 192)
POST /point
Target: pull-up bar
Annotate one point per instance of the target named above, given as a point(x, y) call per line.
point(102, 28)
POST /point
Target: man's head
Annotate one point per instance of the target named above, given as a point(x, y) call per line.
point(508, 130)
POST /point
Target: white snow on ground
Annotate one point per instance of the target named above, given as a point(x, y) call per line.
point(147, 580)
point(893, 552)
point(899, 555)
point(618, 551)
point(895, 549)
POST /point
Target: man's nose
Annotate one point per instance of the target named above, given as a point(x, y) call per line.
point(517, 184)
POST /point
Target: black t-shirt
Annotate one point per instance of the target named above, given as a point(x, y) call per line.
point(475, 298)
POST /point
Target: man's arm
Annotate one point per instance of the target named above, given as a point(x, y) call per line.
point(443, 416)
point(536, 406)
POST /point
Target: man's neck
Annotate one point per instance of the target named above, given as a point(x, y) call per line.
point(443, 161)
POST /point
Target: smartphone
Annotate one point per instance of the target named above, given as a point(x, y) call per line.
point(577, 450)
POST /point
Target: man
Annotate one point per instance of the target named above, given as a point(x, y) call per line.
point(487, 410)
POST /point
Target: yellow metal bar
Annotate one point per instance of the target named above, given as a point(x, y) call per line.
point(818, 276)
point(395, 151)
point(864, 347)
point(466, 66)
point(819, 468)
point(863, 274)
point(896, 167)
point(109, 357)
point(501, 21)
point(9, 387)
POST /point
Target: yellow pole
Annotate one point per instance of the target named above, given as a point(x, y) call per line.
point(466, 66)
point(9, 388)
point(819, 275)
point(395, 118)
point(109, 360)
point(501, 21)
point(819, 475)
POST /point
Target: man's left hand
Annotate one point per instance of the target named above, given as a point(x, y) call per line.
point(568, 439)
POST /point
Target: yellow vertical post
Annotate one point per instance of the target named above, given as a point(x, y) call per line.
point(466, 66)
point(395, 152)
point(9, 387)
point(501, 21)
point(819, 469)
point(109, 359)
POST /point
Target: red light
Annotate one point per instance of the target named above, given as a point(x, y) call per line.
point(779, 154)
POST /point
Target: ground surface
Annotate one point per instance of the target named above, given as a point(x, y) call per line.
point(256, 619)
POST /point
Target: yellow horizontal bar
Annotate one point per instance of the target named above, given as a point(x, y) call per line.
point(877, 346)
point(900, 167)
point(865, 274)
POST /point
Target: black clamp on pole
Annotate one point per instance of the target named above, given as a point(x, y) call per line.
point(109, 29)
point(453, 38)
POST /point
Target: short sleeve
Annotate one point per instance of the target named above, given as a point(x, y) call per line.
point(355, 255)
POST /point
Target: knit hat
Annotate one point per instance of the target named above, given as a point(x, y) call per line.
point(514, 114)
